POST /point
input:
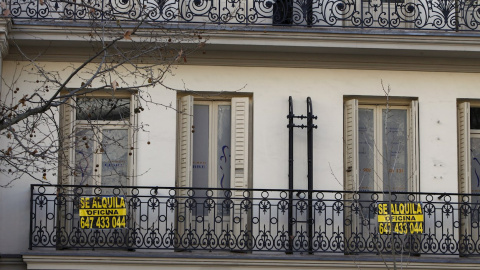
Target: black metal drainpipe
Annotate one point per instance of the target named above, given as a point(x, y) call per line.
point(310, 127)
point(290, 175)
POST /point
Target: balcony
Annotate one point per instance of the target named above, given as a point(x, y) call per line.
point(443, 15)
point(252, 220)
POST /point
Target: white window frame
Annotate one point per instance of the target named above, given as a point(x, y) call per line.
point(69, 125)
point(465, 133)
point(240, 158)
point(98, 127)
point(240, 145)
point(378, 172)
point(351, 143)
point(213, 134)
point(351, 159)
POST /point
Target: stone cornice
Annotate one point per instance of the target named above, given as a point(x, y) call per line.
point(393, 50)
point(393, 40)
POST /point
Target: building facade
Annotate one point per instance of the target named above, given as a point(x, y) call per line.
point(318, 134)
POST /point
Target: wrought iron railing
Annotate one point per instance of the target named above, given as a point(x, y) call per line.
point(253, 220)
point(446, 15)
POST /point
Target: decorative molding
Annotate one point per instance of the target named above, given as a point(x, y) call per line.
point(367, 50)
point(371, 50)
point(141, 261)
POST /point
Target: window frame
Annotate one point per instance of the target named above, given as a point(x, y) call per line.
point(96, 178)
point(241, 160)
point(468, 232)
point(212, 138)
point(69, 124)
point(351, 140)
point(185, 142)
point(362, 223)
point(378, 168)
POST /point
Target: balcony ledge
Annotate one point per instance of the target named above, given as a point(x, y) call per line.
point(283, 47)
point(207, 260)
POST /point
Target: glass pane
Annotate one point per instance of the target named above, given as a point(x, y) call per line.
point(103, 109)
point(475, 185)
point(114, 149)
point(366, 151)
point(474, 118)
point(200, 145)
point(223, 152)
point(200, 154)
point(84, 145)
point(394, 144)
point(223, 146)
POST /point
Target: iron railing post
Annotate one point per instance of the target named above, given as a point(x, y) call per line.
point(31, 217)
point(58, 203)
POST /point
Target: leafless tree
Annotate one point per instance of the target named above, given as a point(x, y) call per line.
point(124, 55)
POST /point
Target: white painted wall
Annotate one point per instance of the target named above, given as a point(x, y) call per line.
point(437, 94)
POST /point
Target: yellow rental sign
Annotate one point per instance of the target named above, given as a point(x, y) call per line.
point(401, 218)
point(102, 212)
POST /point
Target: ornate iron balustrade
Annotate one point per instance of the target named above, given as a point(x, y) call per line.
point(446, 15)
point(254, 220)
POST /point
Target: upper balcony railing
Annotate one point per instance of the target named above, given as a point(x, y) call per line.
point(443, 15)
point(254, 220)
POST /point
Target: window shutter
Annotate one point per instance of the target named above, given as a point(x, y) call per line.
point(184, 173)
point(67, 125)
point(414, 179)
point(239, 166)
point(351, 172)
point(240, 108)
point(464, 158)
point(185, 144)
point(351, 145)
point(464, 174)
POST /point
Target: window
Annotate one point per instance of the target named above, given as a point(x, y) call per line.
point(469, 148)
point(381, 147)
point(213, 143)
point(97, 140)
point(469, 172)
point(381, 156)
point(213, 152)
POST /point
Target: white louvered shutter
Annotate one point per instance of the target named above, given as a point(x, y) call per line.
point(239, 171)
point(351, 180)
point(464, 170)
point(239, 159)
point(185, 155)
point(414, 179)
point(185, 142)
point(66, 160)
point(464, 165)
point(351, 145)
point(67, 126)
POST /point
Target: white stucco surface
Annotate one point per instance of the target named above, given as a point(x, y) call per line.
point(437, 93)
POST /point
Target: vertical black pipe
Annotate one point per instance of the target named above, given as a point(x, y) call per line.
point(290, 175)
point(310, 127)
